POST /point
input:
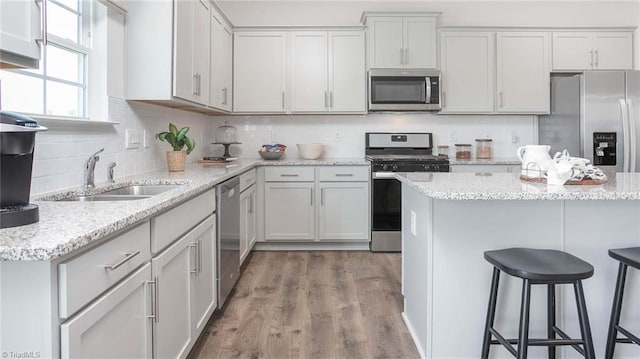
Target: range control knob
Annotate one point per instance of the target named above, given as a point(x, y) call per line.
point(436, 168)
point(385, 167)
point(395, 168)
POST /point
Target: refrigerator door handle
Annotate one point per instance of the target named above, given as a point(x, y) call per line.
point(632, 136)
point(625, 136)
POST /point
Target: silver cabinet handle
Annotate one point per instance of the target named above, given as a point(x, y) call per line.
point(444, 99)
point(157, 296)
point(251, 203)
point(326, 99)
point(597, 59)
point(591, 54)
point(127, 257)
point(43, 23)
point(283, 100)
point(224, 96)
point(322, 196)
point(500, 99)
point(401, 56)
point(344, 174)
point(288, 175)
point(311, 197)
point(331, 99)
point(195, 267)
point(195, 84)
point(154, 309)
point(406, 56)
point(199, 256)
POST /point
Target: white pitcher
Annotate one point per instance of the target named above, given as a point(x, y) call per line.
point(535, 159)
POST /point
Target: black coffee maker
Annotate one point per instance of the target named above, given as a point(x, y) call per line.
point(17, 140)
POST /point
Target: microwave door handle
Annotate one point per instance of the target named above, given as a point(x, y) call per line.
point(427, 86)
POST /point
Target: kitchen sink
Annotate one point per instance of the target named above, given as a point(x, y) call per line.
point(139, 190)
point(127, 193)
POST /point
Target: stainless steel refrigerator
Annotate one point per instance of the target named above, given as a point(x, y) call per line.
point(595, 115)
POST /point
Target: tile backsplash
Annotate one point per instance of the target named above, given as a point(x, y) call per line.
point(62, 151)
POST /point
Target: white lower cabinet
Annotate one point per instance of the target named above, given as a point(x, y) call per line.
point(344, 211)
point(116, 325)
point(186, 293)
point(247, 221)
point(328, 203)
point(289, 212)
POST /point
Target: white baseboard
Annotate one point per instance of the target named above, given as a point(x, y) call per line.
point(311, 246)
point(413, 335)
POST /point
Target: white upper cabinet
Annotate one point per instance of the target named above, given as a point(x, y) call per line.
point(20, 33)
point(592, 50)
point(467, 62)
point(523, 69)
point(327, 71)
point(221, 63)
point(401, 40)
point(309, 72)
point(259, 72)
point(347, 72)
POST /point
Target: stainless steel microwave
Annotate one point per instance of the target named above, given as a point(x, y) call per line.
point(404, 90)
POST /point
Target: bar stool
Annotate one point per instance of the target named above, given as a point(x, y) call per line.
point(627, 257)
point(539, 266)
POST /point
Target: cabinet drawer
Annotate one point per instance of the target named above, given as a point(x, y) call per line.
point(170, 225)
point(247, 179)
point(344, 173)
point(289, 174)
point(83, 278)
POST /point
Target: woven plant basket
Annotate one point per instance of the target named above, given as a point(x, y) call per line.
point(176, 160)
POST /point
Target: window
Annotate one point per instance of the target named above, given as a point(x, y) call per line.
point(59, 88)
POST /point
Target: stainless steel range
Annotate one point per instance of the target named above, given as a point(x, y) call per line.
point(395, 152)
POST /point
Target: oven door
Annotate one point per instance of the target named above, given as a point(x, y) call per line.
point(386, 213)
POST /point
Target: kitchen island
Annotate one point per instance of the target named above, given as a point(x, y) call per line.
point(450, 219)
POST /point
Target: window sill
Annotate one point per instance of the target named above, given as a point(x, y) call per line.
point(62, 121)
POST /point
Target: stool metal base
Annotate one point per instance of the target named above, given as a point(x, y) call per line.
point(583, 346)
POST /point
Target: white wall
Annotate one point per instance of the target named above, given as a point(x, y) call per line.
point(255, 131)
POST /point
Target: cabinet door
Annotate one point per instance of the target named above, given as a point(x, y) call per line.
point(203, 281)
point(613, 51)
point(347, 80)
point(385, 42)
point(289, 211)
point(115, 325)
point(217, 55)
point(309, 72)
point(523, 68)
point(572, 51)
point(344, 211)
point(200, 56)
point(172, 271)
point(467, 63)
point(252, 217)
point(245, 206)
point(19, 29)
point(259, 72)
point(184, 80)
point(419, 42)
point(227, 66)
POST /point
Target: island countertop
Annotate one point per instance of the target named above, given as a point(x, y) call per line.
point(66, 226)
point(508, 186)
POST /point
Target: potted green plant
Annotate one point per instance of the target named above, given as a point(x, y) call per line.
point(178, 139)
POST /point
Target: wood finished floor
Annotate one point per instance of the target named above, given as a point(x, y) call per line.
point(312, 305)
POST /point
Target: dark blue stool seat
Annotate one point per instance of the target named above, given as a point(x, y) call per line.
point(628, 257)
point(539, 266)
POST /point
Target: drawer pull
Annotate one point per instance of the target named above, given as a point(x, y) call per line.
point(344, 174)
point(127, 257)
point(288, 175)
point(154, 309)
point(195, 266)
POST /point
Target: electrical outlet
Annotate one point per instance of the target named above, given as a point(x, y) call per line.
point(132, 138)
point(338, 137)
point(452, 136)
point(273, 137)
point(514, 136)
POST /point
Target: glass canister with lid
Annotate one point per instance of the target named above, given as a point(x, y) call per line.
point(226, 134)
point(463, 151)
point(484, 150)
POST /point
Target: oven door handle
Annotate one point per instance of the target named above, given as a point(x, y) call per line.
point(383, 175)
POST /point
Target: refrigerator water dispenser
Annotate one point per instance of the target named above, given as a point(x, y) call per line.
point(604, 148)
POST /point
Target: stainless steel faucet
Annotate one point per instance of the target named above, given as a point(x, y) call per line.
point(110, 172)
point(89, 169)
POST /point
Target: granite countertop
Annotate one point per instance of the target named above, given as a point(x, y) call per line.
point(508, 186)
point(493, 161)
point(66, 226)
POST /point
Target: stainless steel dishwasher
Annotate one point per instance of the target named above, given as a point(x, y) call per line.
point(228, 237)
